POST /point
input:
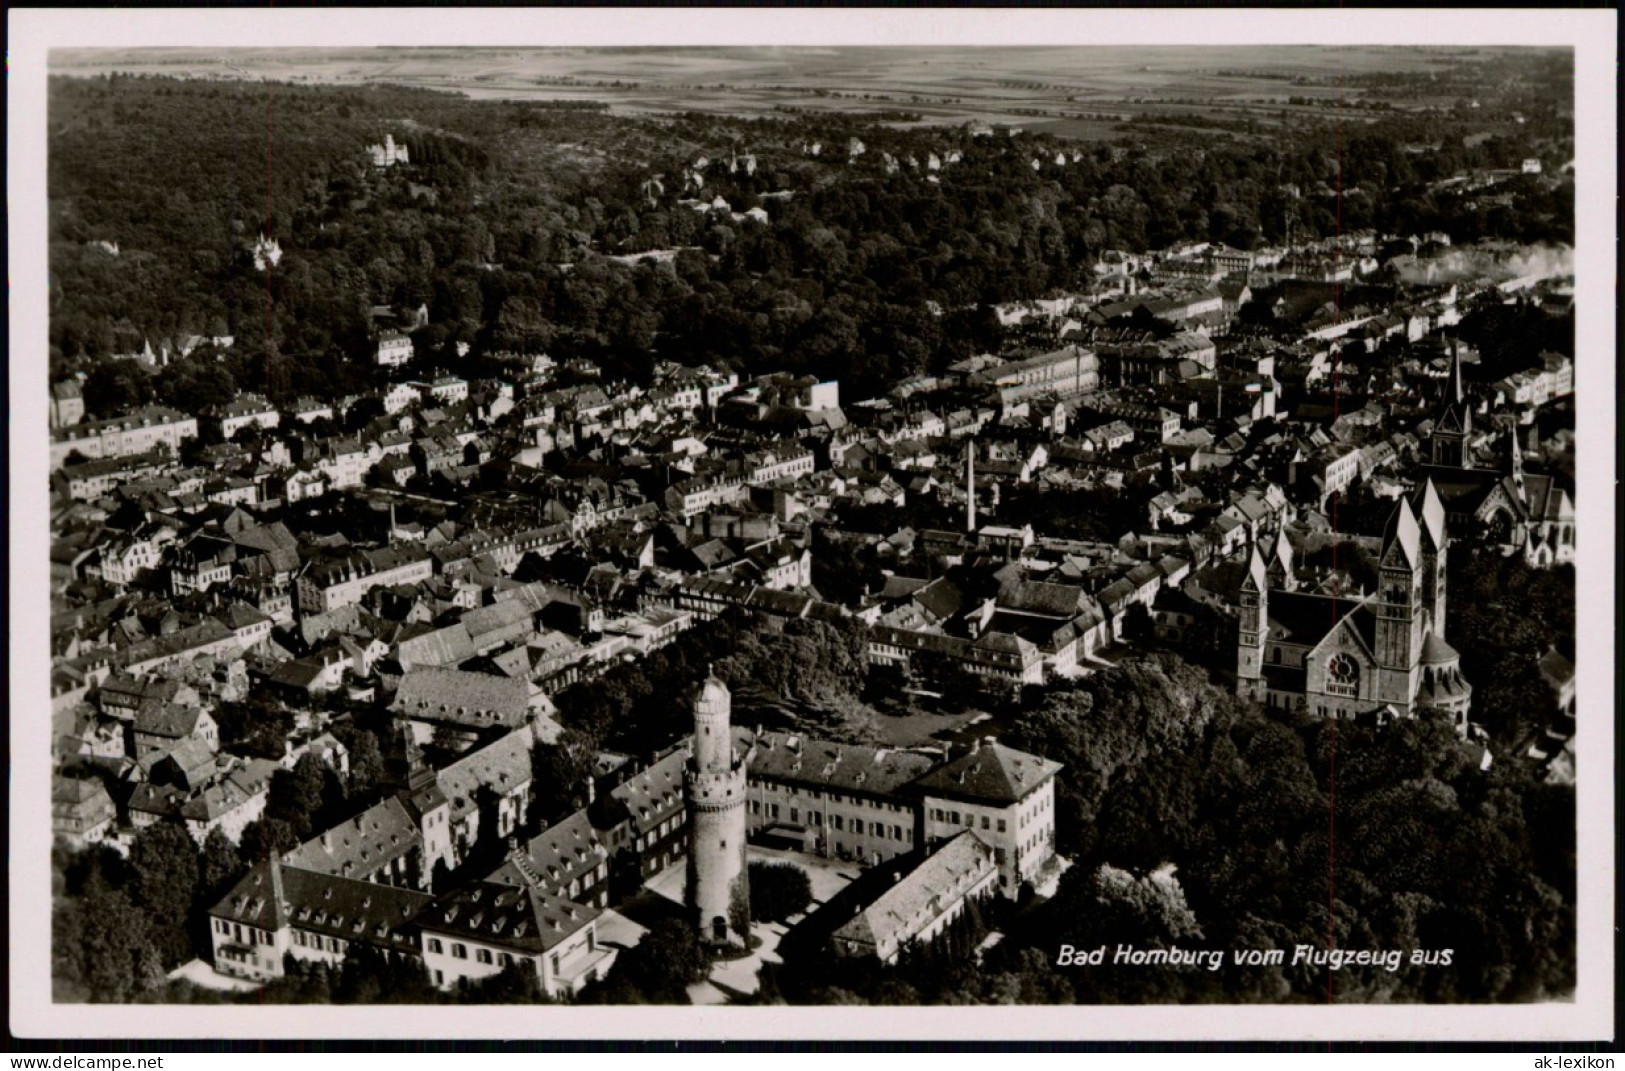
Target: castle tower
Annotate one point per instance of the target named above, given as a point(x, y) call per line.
point(1400, 617)
point(1255, 596)
point(718, 889)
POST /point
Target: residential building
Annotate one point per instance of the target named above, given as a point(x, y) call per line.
point(1006, 797)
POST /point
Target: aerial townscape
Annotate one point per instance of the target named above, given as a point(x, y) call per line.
point(734, 526)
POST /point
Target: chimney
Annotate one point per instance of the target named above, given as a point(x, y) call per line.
point(592, 789)
point(327, 840)
point(970, 485)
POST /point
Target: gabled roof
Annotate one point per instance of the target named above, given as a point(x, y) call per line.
point(1040, 597)
point(380, 915)
point(315, 627)
point(170, 720)
point(1304, 618)
point(273, 540)
point(521, 918)
point(360, 845)
point(940, 598)
point(501, 767)
point(795, 759)
point(480, 700)
point(910, 905)
point(649, 795)
point(440, 647)
point(556, 856)
point(992, 773)
point(240, 615)
point(80, 794)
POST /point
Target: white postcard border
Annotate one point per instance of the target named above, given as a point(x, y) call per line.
point(32, 32)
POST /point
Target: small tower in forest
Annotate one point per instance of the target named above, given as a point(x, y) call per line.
point(718, 888)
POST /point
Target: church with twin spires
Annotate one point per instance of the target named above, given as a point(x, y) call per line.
point(1380, 655)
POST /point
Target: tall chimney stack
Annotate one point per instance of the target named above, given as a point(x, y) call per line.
point(970, 485)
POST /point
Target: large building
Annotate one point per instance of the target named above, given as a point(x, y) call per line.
point(1007, 797)
point(274, 912)
point(137, 432)
point(871, 805)
point(487, 928)
point(920, 905)
point(1381, 655)
point(331, 585)
point(1069, 370)
point(841, 801)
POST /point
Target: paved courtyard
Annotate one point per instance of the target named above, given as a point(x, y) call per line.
point(738, 977)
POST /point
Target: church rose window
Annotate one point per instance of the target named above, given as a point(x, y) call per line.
point(1342, 675)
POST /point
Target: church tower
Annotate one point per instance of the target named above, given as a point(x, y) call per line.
point(1453, 430)
point(1515, 466)
point(1255, 596)
point(1400, 617)
point(1282, 573)
point(718, 889)
point(1435, 545)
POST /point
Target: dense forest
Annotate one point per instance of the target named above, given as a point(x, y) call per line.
point(516, 225)
point(1196, 820)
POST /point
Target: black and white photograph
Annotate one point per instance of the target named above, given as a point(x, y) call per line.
point(611, 526)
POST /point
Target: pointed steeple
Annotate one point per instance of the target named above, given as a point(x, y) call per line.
point(1452, 431)
point(1430, 512)
point(1455, 394)
point(1404, 537)
point(1282, 573)
point(1257, 577)
point(1515, 462)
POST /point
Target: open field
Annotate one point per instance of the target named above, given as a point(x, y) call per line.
point(942, 84)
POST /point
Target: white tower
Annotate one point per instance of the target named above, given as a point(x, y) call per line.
point(718, 888)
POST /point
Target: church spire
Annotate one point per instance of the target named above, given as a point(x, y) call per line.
point(1515, 461)
point(1453, 430)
